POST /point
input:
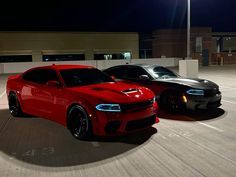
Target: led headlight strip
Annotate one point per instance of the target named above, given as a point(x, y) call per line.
point(195, 92)
point(108, 107)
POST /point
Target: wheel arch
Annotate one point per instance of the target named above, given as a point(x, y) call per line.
point(69, 120)
point(11, 92)
point(86, 109)
point(168, 91)
point(18, 97)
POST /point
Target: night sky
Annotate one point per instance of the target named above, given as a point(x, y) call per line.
point(141, 16)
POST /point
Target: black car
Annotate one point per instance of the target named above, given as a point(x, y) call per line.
point(172, 91)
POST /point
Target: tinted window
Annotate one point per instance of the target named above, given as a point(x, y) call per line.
point(41, 76)
point(118, 72)
point(161, 72)
point(84, 76)
point(31, 76)
point(135, 72)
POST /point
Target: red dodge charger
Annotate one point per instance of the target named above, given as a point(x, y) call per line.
point(82, 98)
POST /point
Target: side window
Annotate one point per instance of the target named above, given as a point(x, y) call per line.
point(117, 72)
point(31, 76)
point(134, 73)
point(47, 75)
point(41, 76)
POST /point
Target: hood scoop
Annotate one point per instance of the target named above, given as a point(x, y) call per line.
point(127, 92)
point(133, 92)
point(130, 90)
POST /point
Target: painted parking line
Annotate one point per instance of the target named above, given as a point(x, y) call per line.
point(206, 125)
point(95, 144)
point(210, 126)
point(176, 133)
point(232, 102)
point(228, 89)
point(3, 93)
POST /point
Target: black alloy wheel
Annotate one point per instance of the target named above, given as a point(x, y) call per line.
point(14, 105)
point(170, 101)
point(79, 123)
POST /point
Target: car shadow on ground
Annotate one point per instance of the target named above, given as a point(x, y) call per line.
point(199, 115)
point(41, 142)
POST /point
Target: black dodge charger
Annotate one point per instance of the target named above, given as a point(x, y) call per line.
point(173, 92)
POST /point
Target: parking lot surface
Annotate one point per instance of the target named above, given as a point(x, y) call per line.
point(199, 144)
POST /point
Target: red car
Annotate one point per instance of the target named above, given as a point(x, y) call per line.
point(82, 98)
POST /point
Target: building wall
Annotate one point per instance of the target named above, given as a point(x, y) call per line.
point(168, 43)
point(219, 48)
point(6, 68)
point(229, 44)
point(224, 48)
point(173, 42)
point(89, 43)
point(223, 58)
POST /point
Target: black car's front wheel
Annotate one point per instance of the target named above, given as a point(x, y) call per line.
point(79, 123)
point(171, 101)
point(14, 105)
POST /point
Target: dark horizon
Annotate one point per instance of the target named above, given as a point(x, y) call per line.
point(116, 16)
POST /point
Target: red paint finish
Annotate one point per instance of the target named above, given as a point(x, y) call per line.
point(51, 102)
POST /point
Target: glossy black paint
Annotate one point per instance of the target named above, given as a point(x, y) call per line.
point(170, 88)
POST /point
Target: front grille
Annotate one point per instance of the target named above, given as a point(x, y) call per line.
point(141, 123)
point(136, 106)
point(112, 126)
point(213, 105)
point(211, 92)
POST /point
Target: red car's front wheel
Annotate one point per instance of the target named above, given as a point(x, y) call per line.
point(79, 123)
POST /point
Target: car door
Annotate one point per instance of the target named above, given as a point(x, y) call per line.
point(29, 91)
point(51, 99)
point(39, 99)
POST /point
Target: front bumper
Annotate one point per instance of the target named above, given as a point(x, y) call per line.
point(120, 123)
point(201, 102)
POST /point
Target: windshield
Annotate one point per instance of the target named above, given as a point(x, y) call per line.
point(162, 73)
point(84, 76)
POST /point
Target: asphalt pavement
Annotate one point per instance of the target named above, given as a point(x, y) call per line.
point(199, 144)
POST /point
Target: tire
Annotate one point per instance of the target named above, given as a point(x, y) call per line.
point(14, 105)
point(79, 123)
point(170, 101)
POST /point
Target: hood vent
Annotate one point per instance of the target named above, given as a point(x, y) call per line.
point(130, 90)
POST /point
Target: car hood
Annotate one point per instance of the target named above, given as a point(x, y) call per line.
point(192, 82)
point(115, 92)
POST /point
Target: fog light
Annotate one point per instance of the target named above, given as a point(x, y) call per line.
point(184, 99)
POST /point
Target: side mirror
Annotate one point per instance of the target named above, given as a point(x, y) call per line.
point(113, 77)
point(54, 84)
point(144, 77)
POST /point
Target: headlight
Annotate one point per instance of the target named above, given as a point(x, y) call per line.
point(195, 92)
point(108, 107)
